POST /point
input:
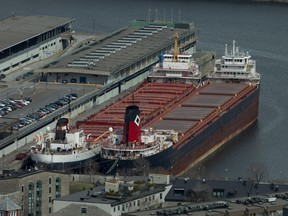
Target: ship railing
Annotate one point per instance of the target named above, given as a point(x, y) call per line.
point(63, 151)
point(129, 157)
point(124, 148)
point(184, 73)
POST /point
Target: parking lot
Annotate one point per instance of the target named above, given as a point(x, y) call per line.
point(41, 95)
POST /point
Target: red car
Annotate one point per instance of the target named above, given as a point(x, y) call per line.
point(21, 156)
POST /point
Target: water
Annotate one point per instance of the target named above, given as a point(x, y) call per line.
point(260, 28)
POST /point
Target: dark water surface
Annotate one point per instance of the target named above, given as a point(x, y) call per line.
point(260, 28)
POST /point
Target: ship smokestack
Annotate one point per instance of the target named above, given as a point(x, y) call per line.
point(61, 129)
point(132, 129)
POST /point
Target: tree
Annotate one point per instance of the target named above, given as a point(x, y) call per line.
point(258, 172)
point(142, 166)
point(199, 192)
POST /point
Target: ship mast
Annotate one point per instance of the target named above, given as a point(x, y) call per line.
point(69, 114)
point(176, 48)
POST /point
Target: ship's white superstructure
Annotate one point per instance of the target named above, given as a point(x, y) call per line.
point(63, 146)
point(179, 67)
point(235, 66)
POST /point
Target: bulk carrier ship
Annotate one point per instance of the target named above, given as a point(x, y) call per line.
point(174, 119)
point(177, 117)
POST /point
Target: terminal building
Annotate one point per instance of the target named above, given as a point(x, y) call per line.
point(29, 39)
point(125, 52)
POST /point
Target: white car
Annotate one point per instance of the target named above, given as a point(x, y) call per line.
point(23, 101)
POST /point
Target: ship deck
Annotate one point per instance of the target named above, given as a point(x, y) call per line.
point(181, 107)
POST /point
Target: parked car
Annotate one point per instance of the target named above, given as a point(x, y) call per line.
point(17, 126)
point(34, 116)
point(21, 156)
point(70, 97)
point(26, 102)
point(27, 99)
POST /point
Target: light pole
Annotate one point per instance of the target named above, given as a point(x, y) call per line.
point(3, 160)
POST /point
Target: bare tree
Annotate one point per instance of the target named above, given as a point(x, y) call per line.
point(258, 172)
point(142, 166)
point(199, 192)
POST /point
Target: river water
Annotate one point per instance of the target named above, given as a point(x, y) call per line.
point(260, 28)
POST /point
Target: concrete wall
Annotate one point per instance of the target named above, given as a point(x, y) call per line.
point(32, 54)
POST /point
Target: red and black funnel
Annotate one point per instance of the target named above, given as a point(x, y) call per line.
point(61, 128)
point(132, 129)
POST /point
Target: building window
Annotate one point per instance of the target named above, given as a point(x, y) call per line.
point(50, 190)
point(22, 188)
point(31, 199)
point(218, 192)
point(38, 198)
point(50, 180)
point(50, 199)
point(58, 187)
point(50, 210)
point(83, 210)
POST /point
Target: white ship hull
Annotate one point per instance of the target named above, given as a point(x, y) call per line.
point(76, 157)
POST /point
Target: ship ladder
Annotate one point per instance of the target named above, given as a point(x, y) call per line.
point(112, 167)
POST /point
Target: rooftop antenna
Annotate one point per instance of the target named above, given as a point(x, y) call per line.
point(156, 14)
point(226, 50)
point(149, 11)
point(69, 113)
point(233, 50)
